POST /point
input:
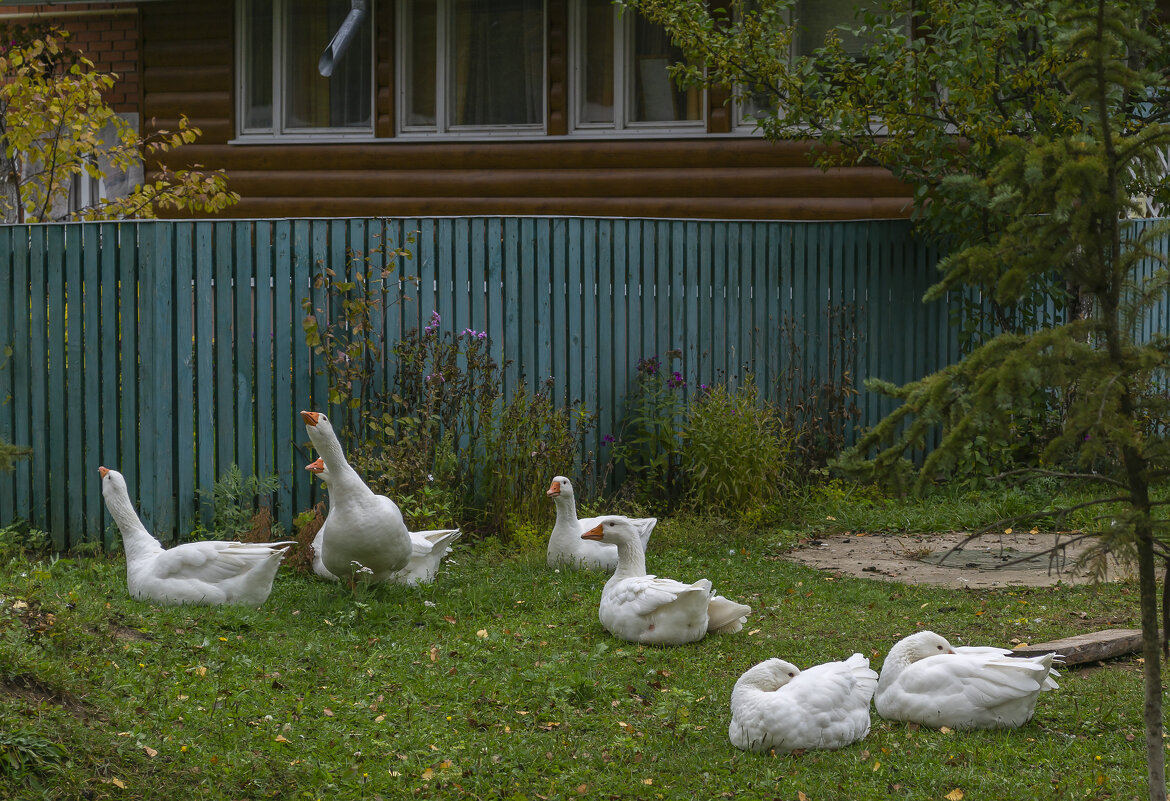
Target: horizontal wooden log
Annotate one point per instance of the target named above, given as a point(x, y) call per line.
point(1090, 647)
point(816, 208)
point(209, 77)
point(565, 153)
point(552, 183)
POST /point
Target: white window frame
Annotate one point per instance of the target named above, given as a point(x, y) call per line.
point(443, 129)
point(278, 131)
point(623, 94)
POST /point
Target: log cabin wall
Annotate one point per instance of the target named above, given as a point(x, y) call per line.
point(188, 68)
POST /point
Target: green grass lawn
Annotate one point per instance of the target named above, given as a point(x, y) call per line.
point(499, 682)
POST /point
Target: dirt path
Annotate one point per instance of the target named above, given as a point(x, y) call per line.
point(915, 559)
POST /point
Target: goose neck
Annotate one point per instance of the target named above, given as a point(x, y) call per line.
point(136, 540)
point(631, 559)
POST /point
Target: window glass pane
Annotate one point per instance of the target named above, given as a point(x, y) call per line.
point(258, 66)
point(312, 101)
point(497, 62)
point(815, 18)
point(420, 64)
point(597, 62)
point(657, 97)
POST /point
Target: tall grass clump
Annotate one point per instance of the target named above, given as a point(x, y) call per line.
point(736, 453)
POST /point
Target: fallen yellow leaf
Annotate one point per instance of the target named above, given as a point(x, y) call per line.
point(201, 671)
point(801, 796)
point(121, 785)
point(1007, 530)
point(328, 712)
point(876, 765)
point(445, 764)
point(280, 738)
point(482, 633)
point(150, 752)
point(647, 781)
point(945, 729)
point(954, 795)
point(427, 774)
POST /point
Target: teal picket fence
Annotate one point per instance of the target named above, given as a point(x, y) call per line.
point(171, 350)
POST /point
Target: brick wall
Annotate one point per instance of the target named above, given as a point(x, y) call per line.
point(106, 33)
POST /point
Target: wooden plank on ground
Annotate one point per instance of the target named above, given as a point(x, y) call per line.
point(1088, 647)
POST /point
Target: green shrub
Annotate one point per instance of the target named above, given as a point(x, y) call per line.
point(736, 454)
point(238, 506)
point(649, 442)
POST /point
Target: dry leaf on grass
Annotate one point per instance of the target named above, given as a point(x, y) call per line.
point(954, 795)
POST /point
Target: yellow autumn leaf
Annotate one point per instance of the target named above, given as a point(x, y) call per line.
point(427, 774)
point(876, 765)
point(445, 764)
point(482, 633)
point(954, 795)
point(944, 729)
point(647, 781)
point(121, 785)
point(150, 752)
point(801, 796)
point(280, 738)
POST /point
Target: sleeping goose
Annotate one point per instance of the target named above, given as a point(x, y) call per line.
point(657, 611)
point(427, 547)
point(924, 680)
point(364, 537)
point(777, 706)
point(194, 572)
point(565, 546)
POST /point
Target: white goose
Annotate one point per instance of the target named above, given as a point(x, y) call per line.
point(192, 573)
point(925, 680)
point(657, 611)
point(427, 547)
point(565, 546)
point(777, 706)
point(364, 537)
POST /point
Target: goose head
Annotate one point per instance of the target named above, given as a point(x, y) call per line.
point(613, 530)
point(769, 675)
point(561, 487)
point(112, 481)
point(317, 468)
point(923, 644)
point(321, 433)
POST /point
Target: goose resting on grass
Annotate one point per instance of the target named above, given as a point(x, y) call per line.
point(364, 537)
point(777, 706)
point(428, 547)
point(927, 681)
point(657, 611)
point(565, 546)
point(210, 572)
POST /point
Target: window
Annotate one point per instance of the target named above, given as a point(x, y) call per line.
point(470, 66)
point(283, 94)
point(622, 79)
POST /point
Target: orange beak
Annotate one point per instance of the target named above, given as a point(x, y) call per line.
point(554, 490)
point(103, 471)
point(316, 467)
point(310, 418)
point(592, 534)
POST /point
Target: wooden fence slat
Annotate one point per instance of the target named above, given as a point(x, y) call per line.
point(22, 305)
point(9, 308)
point(204, 367)
point(264, 337)
point(283, 400)
point(185, 403)
point(161, 237)
point(225, 363)
point(244, 335)
point(310, 239)
point(72, 427)
point(58, 371)
point(91, 405)
point(39, 352)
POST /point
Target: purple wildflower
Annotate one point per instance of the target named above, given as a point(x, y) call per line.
point(676, 380)
point(608, 439)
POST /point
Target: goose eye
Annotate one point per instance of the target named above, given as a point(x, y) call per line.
point(939, 647)
point(792, 675)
